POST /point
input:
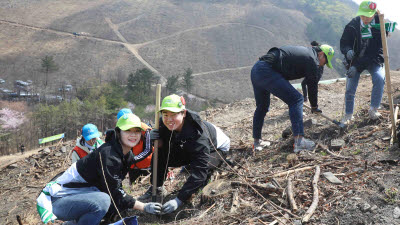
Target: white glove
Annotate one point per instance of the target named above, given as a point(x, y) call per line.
point(350, 55)
point(171, 205)
point(152, 208)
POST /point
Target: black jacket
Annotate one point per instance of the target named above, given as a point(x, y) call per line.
point(351, 40)
point(193, 146)
point(115, 166)
point(295, 62)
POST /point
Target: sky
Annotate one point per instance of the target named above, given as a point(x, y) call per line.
point(390, 8)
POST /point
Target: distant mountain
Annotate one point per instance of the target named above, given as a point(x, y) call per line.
point(218, 40)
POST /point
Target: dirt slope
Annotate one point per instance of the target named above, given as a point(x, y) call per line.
point(367, 166)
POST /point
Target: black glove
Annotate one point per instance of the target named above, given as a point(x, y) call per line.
point(350, 55)
point(154, 134)
point(351, 72)
point(315, 110)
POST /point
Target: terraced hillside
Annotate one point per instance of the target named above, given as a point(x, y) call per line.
point(218, 40)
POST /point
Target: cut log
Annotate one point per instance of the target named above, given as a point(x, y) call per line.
point(314, 203)
point(215, 189)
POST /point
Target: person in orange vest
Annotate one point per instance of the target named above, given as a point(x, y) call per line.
point(88, 142)
point(142, 152)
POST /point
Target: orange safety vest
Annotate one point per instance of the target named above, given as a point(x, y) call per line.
point(81, 153)
point(145, 163)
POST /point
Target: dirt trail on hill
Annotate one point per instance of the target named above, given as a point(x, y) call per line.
point(366, 165)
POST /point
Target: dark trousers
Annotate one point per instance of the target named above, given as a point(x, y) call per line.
point(134, 174)
point(267, 81)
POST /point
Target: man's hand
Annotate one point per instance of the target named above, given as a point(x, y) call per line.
point(315, 110)
point(171, 205)
point(154, 134)
point(350, 55)
point(351, 72)
point(152, 208)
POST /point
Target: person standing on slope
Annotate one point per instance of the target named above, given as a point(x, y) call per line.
point(361, 44)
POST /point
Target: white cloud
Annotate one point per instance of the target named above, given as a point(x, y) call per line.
point(389, 7)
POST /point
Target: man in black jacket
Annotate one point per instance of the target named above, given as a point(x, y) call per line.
point(361, 44)
point(185, 139)
point(271, 75)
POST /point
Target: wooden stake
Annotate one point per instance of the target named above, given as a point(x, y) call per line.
point(387, 73)
point(396, 112)
point(314, 203)
point(155, 153)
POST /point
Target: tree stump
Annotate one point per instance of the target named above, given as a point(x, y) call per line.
point(215, 189)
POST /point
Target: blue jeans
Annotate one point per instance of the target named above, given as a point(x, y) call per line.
point(378, 82)
point(267, 81)
point(86, 208)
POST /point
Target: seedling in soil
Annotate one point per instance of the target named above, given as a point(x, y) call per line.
point(357, 151)
point(391, 195)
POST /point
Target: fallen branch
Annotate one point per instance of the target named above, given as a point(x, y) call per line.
point(325, 148)
point(290, 195)
point(205, 212)
point(284, 220)
point(265, 188)
point(370, 133)
point(292, 171)
point(314, 203)
point(263, 216)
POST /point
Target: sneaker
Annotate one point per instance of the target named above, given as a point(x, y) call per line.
point(302, 143)
point(347, 118)
point(146, 197)
point(373, 113)
point(260, 145)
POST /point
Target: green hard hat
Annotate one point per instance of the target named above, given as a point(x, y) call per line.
point(128, 121)
point(173, 103)
point(329, 52)
point(367, 8)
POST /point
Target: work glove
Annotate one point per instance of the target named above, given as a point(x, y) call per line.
point(152, 208)
point(351, 72)
point(315, 110)
point(350, 55)
point(171, 206)
point(154, 134)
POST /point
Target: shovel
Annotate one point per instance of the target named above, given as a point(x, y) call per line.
point(341, 125)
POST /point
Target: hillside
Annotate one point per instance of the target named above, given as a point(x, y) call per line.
point(218, 40)
point(365, 164)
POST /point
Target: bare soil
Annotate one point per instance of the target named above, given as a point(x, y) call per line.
point(366, 164)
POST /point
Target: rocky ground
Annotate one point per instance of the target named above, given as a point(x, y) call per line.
point(255, 189)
